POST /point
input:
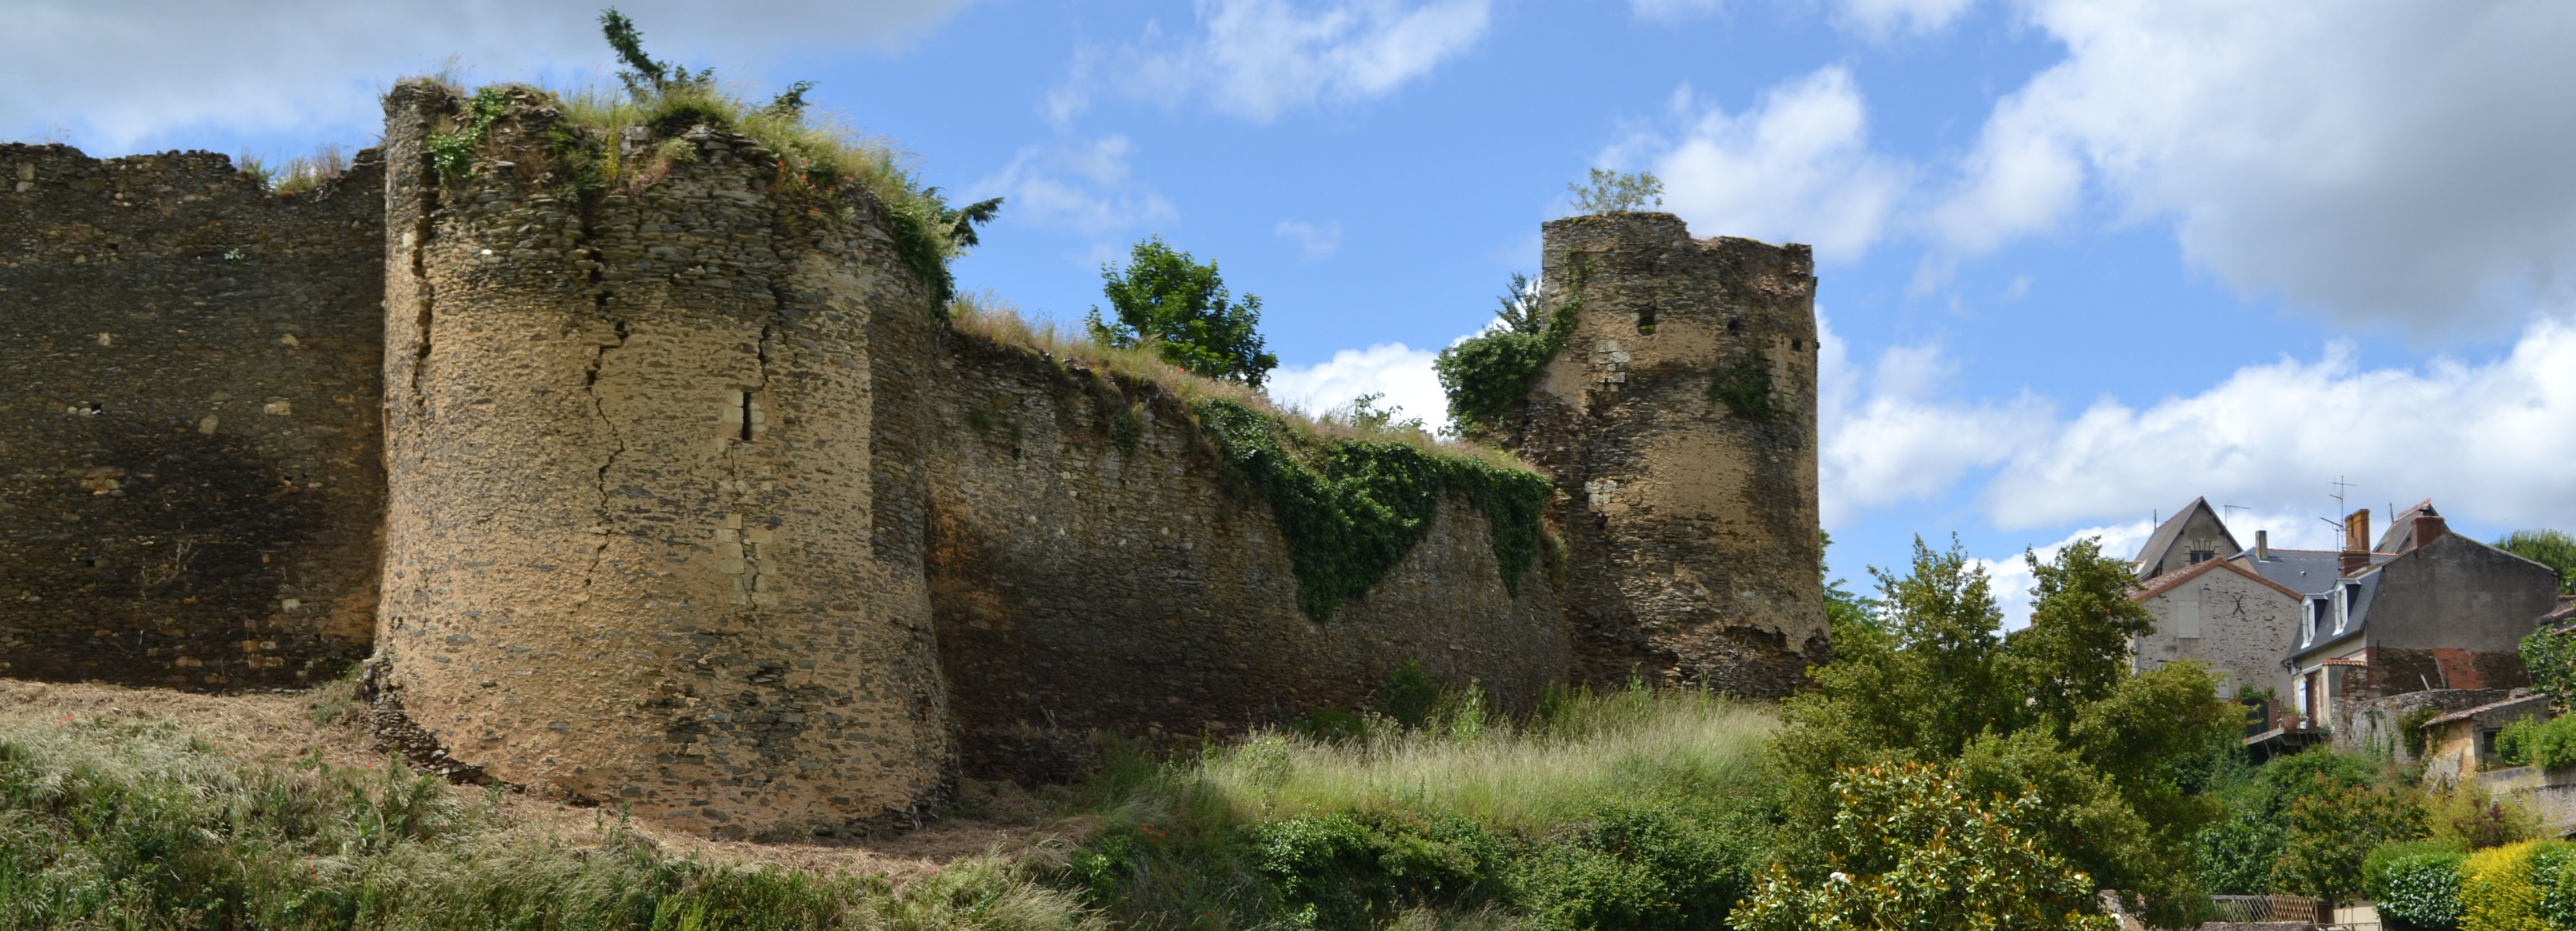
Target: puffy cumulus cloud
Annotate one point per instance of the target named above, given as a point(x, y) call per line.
point(1398, 371)
point(1259, 58)
point(2389, 162)
point(115, 76)
point(2011, 576)
point(1083, 187)
point(1887, 435)
point(2488, 443)
point(1796, 167)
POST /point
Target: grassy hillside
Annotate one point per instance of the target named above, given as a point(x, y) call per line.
point(131, 809)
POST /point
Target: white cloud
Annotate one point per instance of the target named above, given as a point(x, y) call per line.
point(1888, 437)
point(2488, 443)
point(2387, 162)
point(1874, 18)
point(2011, 576)
point(1794, 168)
point(115, 76)
point(1259, 58)
point(1400, 372)
point(1084, 187)
point(1313, 242)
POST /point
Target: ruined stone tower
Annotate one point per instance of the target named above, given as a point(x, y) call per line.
point(1680, 422)
point(643, 542)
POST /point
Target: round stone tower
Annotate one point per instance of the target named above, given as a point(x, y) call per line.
point(1680, 424)
point(640, 549)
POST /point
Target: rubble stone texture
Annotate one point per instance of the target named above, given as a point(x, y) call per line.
point(1693, 527)
point(633, 550)
point(191, 465)
point(681, 495)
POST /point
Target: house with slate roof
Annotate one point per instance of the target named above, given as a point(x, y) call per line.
point(2418, 609)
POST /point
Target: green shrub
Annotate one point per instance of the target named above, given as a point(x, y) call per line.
point(1487, 376)
point(2497, 892)
point(2416, 882)
point(1169, 303)
point(1352, 871)
point(1922, 855)
point(2549, 744)
point(1641, 866)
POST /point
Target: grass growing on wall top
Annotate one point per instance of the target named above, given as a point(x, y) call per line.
point(587, 151)
point(1352, 494)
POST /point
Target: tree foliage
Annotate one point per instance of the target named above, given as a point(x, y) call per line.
point(1615, 192)
point(1916, 851)
point(2117, 759)
point(1181, 310)
point(1487, 376)
point(2331, 832)
point(645, 77)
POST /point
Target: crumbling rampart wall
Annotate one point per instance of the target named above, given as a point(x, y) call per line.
point(634, 552)
point(191, 478)
point(1680, 423)
point(1080, 582)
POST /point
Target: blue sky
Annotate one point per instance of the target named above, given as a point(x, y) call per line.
point(2081, 262)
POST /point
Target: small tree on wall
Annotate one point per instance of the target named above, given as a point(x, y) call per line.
point(1617, 192)
point(1180, 308)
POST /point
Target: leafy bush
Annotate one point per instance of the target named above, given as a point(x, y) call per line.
point(1487, 376)
point(2549, 744)
point(2497, 892)
point(2417, 883)
point(1350, 871)
point(1641, 866)
point(2328, 835)
point(2467, 816)
point(1919, 854)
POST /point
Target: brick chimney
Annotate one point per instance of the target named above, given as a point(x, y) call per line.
point(2428, 528)
point(2356, 543)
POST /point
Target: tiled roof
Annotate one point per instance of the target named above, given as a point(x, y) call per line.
point(2166, 582)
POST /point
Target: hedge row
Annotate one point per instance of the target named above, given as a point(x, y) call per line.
point(2516, 887)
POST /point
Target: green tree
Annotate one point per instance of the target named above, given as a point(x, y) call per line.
point(2120, 761)
point(1487, 376)
point(2330, 832)
point(646, 78)
point(1181, 310)
point(1917, 852)
point(1617, 192)
point(2551, 548)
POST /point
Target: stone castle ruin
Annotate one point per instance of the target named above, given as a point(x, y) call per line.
point(686, 495)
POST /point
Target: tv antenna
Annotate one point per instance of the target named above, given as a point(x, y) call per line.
point(2341, 486)
point(2234, 507)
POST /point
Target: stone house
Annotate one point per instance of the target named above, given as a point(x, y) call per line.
point(2441, 612)
point(2463, 742)
point(2218, 612)
point(2192, 536)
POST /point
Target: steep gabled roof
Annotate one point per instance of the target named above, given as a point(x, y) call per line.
point(2166, 582)
point(2170, 531)
point(2401, 529)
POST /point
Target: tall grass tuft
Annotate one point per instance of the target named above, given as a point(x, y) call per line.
point(1638, 808)
point(119, 824)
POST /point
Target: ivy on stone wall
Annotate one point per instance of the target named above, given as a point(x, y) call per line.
point(1745, 388)
point(1351, 509)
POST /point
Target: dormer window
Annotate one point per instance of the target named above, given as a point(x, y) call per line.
point(2308, 625)
point(2344, 597)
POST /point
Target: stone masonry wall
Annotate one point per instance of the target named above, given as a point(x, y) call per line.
point(191, 480)
point(1080, 585)
point(633, 547)
point(1692, 527)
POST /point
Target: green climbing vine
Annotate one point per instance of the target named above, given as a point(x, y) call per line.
point(1487, 376)
point(1745, 388)
point(1351, 509)
point(453, 153)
